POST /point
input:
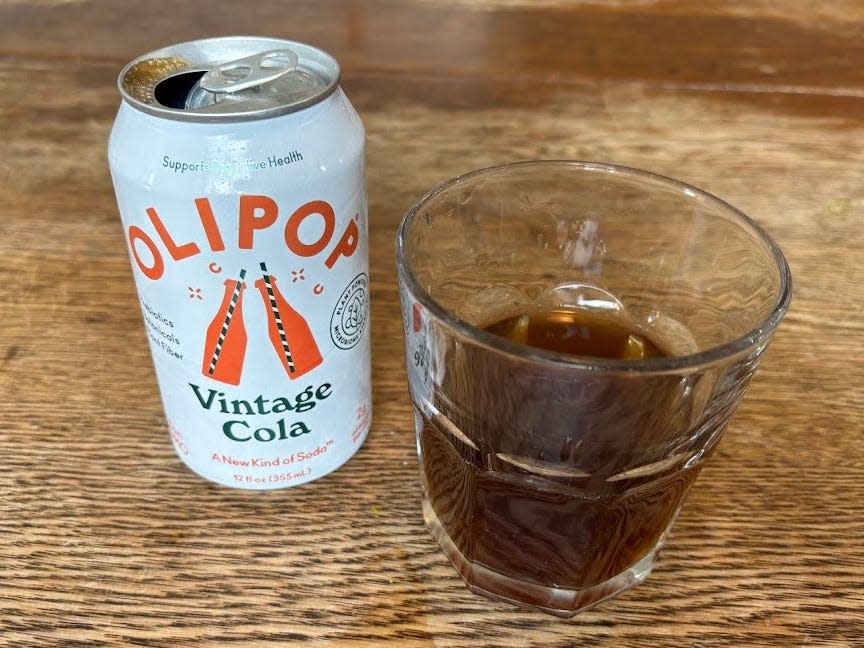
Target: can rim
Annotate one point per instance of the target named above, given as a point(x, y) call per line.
point(664, 365)
point(324, 64)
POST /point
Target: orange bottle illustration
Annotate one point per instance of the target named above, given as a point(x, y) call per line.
point(289, 332)
point(225, 342)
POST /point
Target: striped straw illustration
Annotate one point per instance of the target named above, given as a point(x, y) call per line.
point(214, 359)
point(274, 308)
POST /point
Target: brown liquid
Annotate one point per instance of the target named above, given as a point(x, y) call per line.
point(534, 471)
point(576, 332)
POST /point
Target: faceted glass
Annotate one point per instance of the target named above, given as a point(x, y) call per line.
point(551, 480)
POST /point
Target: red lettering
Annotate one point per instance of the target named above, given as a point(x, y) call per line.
point(292, 237)
point(254, 213)
point(249, 222)
point(177, 252)
point(208, 221)
point(346, 245)
point(151, 272)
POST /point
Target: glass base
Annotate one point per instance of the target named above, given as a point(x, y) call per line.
point(563, 603)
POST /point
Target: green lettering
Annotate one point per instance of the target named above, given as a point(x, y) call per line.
point(281, 405)
point(229, 432)
point(204, 403)
point(239, 404)
point(261, 403)
point(303, 401)
point(264, 434)
point(299, 428)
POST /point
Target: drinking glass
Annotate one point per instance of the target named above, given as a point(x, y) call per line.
point(551, 480)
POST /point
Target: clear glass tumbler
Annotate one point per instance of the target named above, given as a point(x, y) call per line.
point(551, 479)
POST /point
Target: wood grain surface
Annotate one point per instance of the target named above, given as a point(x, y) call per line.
point(106, 539)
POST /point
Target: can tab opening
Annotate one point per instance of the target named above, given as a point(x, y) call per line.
point(249, 72)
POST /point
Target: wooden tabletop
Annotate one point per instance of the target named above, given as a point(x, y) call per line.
point(106, 539)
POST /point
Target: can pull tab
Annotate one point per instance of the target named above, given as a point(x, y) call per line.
point(249, 72)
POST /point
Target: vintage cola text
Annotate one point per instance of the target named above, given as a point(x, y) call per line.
point(241, 430)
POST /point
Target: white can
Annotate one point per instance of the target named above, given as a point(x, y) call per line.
point(238, 165)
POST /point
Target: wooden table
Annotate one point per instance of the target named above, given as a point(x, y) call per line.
point(105, 537)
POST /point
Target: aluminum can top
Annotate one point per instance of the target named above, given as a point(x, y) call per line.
point(229, 79)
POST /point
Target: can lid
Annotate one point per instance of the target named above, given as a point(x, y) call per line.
point(229, 79)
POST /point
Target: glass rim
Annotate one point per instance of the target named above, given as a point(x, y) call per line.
point(560, 360)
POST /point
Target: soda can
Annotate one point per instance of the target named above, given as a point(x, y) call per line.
point(238, 166)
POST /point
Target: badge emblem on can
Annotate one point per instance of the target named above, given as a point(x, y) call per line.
point(348, 322)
